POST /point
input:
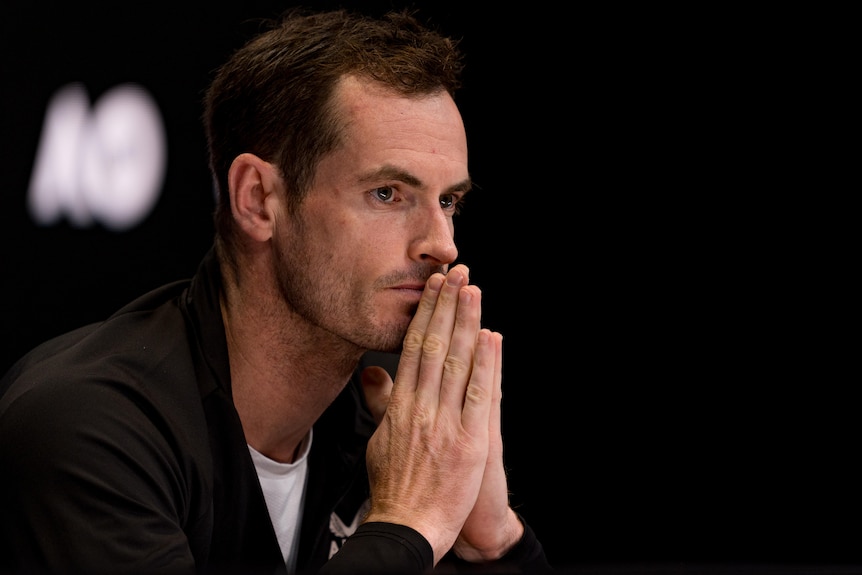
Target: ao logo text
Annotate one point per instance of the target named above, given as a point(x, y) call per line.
point(102, 163)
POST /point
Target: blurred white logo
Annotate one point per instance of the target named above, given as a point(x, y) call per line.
point(106, 164)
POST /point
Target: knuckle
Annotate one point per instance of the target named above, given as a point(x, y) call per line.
point(433, 346)
point(455, 366)
point(413, 341)
point(476, 394)
point(421, 416)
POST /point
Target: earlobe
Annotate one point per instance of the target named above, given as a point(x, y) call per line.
point(252, 181)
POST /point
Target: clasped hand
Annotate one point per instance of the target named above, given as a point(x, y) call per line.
point(435, 462)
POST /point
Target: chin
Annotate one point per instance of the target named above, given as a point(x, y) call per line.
point(389, 338)
point(395, 350)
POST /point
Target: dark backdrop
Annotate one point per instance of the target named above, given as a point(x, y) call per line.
point(659, 408)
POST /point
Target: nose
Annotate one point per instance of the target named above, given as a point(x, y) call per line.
point(435, 238)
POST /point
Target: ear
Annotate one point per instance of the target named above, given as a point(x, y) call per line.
point(253, 183)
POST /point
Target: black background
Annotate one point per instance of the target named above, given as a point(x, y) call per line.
point(669, 398)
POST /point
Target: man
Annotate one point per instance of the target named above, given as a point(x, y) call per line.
point(224, 424)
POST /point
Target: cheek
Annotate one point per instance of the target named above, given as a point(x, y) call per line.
point(363, 232)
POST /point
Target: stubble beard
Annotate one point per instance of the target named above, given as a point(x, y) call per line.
point(322, 298)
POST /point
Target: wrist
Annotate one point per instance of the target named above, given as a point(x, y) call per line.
point(509, 535)
point(439, 540)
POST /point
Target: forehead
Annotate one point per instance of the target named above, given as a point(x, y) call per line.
point(375, 116)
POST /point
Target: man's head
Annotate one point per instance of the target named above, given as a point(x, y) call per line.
point(273, 98)
point(341, 160)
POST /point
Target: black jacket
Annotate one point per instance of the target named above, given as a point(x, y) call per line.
point(121, 452)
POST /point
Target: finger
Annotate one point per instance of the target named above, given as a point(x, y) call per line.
point(377, 387)
point(438, 337)
point(411, 352)
point(459, 361)
point(496, 400)
point(480, 393)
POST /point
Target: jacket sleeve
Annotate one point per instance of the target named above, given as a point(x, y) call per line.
point(381, 548)
point(384, 548)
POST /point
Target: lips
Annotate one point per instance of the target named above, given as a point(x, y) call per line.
point(411, 286)
point(411, 292)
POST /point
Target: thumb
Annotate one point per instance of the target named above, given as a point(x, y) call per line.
point(377, 386)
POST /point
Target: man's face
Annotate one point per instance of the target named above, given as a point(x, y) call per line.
point(378, 219)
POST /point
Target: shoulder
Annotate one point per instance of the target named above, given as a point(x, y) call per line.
point(130, 375)
point(106, 411)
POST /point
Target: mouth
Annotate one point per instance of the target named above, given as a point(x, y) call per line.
point(409, 289)
point(412, 285)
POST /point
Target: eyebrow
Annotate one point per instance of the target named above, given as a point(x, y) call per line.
point(389, 172)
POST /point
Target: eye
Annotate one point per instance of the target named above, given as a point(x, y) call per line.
point(384, 194)
point(451, 203)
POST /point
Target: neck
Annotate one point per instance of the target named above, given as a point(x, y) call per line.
point(284, 374)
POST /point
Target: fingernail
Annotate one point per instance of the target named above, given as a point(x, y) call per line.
point(455, 279)
point(435, 282)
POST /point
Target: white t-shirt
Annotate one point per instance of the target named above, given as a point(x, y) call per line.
point(284, 490)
